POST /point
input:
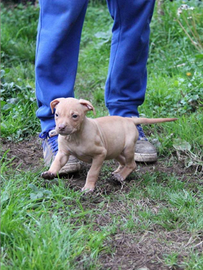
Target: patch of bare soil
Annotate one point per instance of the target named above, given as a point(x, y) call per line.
point(25, 155)
point(146, 251)
point(129, 251)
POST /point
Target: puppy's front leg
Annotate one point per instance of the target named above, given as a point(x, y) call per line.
point(60, 160)
point(93, 173)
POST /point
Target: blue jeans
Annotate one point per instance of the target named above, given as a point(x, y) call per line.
point(58, 42)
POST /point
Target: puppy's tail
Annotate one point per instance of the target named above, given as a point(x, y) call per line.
point(149, 121)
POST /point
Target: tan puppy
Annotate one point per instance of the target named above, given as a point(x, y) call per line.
point(94, 140)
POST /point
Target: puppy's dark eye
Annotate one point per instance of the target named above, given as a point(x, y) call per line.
point(56, 114)
point(75, 116)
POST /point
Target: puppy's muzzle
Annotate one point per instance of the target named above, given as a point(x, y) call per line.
point(61, 127)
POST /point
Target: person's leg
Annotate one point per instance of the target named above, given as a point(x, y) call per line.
point(58, 40)
point(127, 76)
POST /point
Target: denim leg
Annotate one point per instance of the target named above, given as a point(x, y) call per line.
point(127, 75)
point(58, 41)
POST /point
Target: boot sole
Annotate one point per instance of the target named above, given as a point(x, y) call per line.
point(70, 168)
point(145, 157)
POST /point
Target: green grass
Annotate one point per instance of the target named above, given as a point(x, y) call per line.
point(34, 237)
point(54, 226)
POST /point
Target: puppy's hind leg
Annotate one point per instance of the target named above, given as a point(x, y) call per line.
point(121, 161)
point(130, 165)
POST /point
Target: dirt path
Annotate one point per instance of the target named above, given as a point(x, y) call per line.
point(27, 155)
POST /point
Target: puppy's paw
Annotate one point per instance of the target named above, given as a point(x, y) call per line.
point(86, 189)
point(48, 175)
point(118, 177)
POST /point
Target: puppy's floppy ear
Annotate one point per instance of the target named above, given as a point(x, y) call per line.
point(54, 103)
point(88, 105)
